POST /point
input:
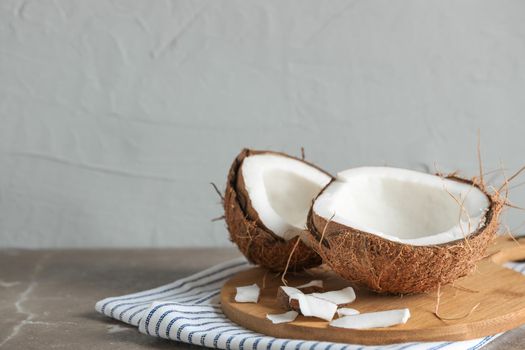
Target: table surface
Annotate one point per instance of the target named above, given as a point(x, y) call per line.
point(47, 297)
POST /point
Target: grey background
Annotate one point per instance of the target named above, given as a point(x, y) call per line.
point(116, 115)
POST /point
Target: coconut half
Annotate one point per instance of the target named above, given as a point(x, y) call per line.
point(267, 200)
point(402, 231)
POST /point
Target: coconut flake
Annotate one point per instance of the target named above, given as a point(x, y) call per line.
point(338, 297)
point(291, 291)
point(286, 298)
point(316, 307)
point(282, 318)
point(247, 294)
point(314, 283)
point(344, 311)
point(373, 319)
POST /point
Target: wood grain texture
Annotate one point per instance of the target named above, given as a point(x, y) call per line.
point(499, 291)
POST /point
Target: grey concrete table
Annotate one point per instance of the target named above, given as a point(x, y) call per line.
point(47, 297)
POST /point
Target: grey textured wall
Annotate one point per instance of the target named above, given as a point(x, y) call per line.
point(116, 115)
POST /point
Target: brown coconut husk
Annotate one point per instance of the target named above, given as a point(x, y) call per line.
point(259, 244)
point(385, 266)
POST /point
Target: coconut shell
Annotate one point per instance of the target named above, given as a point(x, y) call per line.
point(385, 266)
point(259, 244)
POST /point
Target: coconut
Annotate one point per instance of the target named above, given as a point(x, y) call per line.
point(285, 294)
point(368, 320)
point(286, 298)
point(401, 231)
point(286, 317)
point(346, 311)
point(248, 294)
point(268, 196)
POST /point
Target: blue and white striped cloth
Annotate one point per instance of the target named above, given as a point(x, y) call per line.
point(188, 311)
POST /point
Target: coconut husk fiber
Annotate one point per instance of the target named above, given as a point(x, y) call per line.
point(385, 266)
point(259, 244)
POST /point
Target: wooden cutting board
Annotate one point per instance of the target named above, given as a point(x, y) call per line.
point(499, 291)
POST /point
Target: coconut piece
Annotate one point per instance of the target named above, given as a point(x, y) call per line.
point(312, 306)
point(312, 283)
point(401, 231)
point(283, 318)
point(314, 286)
point(290, 291)
point(287, 299)
point(247, 294)
point(285, 295)
point(322, 305)
point(373, 319)
point(344, 311)
point(312, 289)
point(339, 297)
point(267, 198)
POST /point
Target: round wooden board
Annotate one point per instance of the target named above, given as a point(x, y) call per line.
point(499, 291)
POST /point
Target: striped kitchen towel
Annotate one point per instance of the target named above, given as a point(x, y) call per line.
point(188, 311)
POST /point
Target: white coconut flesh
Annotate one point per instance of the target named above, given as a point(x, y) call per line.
point(403, 205)
point(338, 297)
point(346, 311)
point(291, 292)
point(315, 307)
point(286, 317)
point(248, 294)
point(313, 283)
point(378, 319)
point(281, 191)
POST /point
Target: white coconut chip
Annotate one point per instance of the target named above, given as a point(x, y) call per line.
point(247, 294)
point(312, 306)
point(291, 291)
point(282, 318)
point(373, 319)
point(314, 283)
point(344, 311)
point(338, 297)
